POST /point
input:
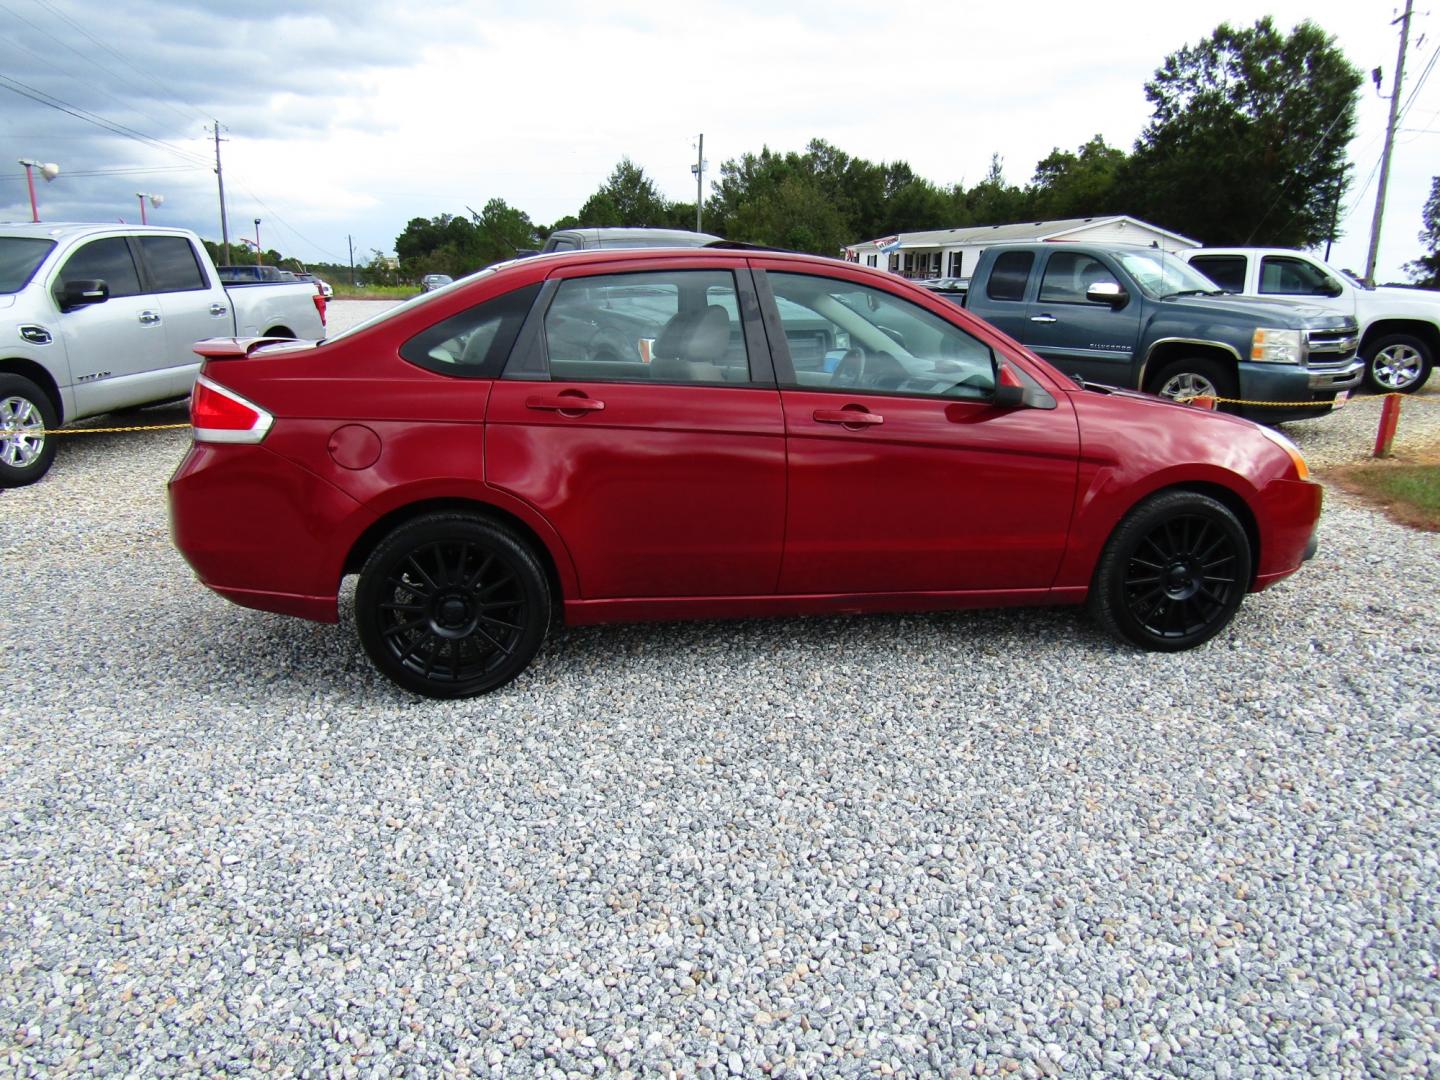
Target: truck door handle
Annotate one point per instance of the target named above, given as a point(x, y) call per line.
point(849, 417)
point(1042, 318)
point(218, 309)
point(565, 403)
point(149, 318)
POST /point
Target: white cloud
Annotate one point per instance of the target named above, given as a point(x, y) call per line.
point(350, 121)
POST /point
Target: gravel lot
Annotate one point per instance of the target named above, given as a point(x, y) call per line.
point(983, 842)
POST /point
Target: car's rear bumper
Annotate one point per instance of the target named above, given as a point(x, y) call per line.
point(260, 530)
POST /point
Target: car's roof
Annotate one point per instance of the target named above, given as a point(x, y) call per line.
point(636, 233)
point(61, 230)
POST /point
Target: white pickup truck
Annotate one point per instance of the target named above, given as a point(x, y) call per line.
point(1399, 328)
point(95, 318)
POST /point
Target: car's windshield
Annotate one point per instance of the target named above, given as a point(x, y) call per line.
point(19, 256)
point(1160, 274)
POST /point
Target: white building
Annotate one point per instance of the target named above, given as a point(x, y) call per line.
point(953, 252)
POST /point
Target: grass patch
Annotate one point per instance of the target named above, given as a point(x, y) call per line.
point(373, 292)
point(1409, 493)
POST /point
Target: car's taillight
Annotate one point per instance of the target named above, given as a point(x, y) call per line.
point(319, 299)
point(221, 415)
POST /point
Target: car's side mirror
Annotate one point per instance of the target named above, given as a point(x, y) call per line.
point(82, 292)
point(1332, 288)
point(1107, 292)
point(1009, 397)
point(1012, 392)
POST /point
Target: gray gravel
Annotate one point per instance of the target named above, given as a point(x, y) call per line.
point(981, 842)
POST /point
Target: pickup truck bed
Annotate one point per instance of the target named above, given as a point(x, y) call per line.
point(107, 317)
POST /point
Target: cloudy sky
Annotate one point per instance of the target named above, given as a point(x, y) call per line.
point(349, 120)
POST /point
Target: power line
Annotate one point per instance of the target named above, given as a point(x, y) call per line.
point(112, 126)
point(194, 114)
point(49, 60)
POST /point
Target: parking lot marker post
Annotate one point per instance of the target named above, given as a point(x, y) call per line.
point(1389, 420)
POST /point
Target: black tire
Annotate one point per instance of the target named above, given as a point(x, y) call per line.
point(280, 332)
point(1173, 573)
point(451, 605)
point(1194, 376)
point(1397, 364)
point(26, 451)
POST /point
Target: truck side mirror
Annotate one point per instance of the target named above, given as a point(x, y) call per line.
point(1107, 292)
point(82, 292)
point(1332, 288)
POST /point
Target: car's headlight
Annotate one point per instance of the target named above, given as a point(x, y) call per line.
point(1290, 448)
point(1278, 346)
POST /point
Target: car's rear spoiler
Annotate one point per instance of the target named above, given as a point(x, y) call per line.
point(238, 348)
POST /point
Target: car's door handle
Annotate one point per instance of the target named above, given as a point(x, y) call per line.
point(565, 403)
point(1042, 318)
point(855, 417)
point(149, 318)
point(218, 309)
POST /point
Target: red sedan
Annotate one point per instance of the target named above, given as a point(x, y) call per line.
point(703, 433)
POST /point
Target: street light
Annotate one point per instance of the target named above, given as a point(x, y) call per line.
point(259, 251)
point(155, 201)
point(49, 170)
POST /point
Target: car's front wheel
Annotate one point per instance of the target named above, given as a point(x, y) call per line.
point(26, 418)
point(1397, 364)
point(451, 605)
point(1173, 573)
point(1192, 378)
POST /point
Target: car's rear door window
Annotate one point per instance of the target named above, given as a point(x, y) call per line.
point(1227, 271)
point(676, 326)
point(1008, 275)
point(170, 261)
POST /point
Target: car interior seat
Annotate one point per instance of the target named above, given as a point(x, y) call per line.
point(691, 346)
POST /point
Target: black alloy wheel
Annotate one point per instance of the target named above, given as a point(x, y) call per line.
point(1173, 573)
point(452, 605)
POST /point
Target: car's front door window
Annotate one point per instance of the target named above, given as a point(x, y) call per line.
point(878, 342)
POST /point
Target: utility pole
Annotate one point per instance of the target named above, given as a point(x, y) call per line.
point(351, 241)
point(1404, 21)
point(699, 170)
point(220, 179)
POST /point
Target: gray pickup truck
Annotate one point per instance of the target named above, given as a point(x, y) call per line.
point(1139, 317)
point(95, 318)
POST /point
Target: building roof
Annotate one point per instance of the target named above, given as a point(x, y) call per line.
point(996, 234)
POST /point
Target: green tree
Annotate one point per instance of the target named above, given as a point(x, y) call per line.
point(1082, 184)
point(1425, 271)
point(1246, 144)
point(627, 198)
point(501, 231)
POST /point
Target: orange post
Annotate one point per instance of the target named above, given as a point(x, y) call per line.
point(1389, 420)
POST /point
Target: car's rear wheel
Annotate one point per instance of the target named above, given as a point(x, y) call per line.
point(1173, 573)
point(26, 418)
point(1397, 364)
point(1192, 378)
point(451, 605)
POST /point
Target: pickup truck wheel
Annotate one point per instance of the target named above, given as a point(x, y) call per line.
point(25, 416)
point(1196, 377)
point(1397, 364)
point(1173, 573)
point(451, 605)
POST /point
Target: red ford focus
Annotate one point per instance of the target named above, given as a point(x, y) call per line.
point(711, 432)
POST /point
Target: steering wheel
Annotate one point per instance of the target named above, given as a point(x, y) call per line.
point(847, 371)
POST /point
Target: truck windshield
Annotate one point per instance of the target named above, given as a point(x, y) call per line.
point(19, 256)
point(1160, 274)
